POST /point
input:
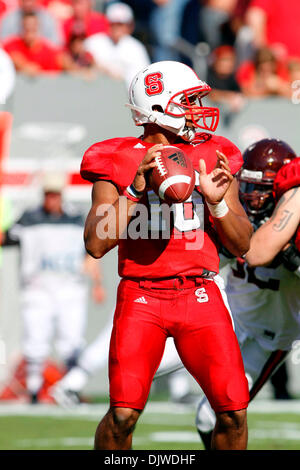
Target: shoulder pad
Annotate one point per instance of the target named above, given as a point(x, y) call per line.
point(287, 178)
point(231, 151)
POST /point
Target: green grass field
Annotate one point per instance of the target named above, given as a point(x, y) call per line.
point(272, 426)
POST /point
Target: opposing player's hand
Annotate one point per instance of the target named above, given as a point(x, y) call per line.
point(215, 184)
point(147, 164)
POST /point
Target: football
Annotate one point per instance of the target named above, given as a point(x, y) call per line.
point(173, 179)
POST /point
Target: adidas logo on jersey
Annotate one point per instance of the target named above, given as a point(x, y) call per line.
point(139, 146)
point(141, 300)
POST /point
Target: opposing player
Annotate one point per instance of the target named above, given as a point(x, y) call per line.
point(262, 287)
point(169, 285)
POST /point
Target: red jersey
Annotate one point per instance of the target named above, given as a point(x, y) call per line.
point(282, 23)
point(41, 53)
point(3, 8)
point(94, 22)
point(246, 73)
point(191, 246)
point(288, 177)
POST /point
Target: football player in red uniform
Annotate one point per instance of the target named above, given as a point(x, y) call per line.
point(170, 284)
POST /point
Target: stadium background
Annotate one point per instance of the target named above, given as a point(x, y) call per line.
point(54, 120)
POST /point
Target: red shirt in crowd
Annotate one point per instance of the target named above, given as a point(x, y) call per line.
point(94, 23)
point(282, 25)
point(41, 53)
point(46, 3)
point(246, 73)
point(3, 8)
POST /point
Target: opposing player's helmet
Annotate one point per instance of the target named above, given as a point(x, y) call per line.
point(170, 94)
point(262, 160)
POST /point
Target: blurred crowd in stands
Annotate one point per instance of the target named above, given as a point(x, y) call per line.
point(243, 48)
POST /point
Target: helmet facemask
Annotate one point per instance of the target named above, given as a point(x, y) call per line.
point(257, 199)
point(188, 104)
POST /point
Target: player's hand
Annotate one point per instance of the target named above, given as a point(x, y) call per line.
point(291, 257)
point(215, 184)
point(147, 164)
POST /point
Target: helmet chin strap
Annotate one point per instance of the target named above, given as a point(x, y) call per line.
point(187, 133)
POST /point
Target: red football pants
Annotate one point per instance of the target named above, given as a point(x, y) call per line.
point(198, 320)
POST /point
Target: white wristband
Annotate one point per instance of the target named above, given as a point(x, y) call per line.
point(133, 192)
point(218, 210)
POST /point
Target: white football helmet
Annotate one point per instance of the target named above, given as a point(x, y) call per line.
point(169, 94)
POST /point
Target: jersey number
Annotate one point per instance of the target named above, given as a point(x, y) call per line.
point(154, 84)
point(187, 216)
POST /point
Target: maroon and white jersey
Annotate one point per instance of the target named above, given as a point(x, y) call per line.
point(192, 245)
point(265, 304)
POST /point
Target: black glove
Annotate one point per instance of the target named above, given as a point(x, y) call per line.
point(223, 251)
point(291, 259)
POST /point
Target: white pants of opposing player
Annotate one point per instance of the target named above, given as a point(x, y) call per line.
point(92, 358)
point(53, 314)
point(255, 358)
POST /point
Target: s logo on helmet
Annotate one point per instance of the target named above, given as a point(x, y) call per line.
point(154, 84)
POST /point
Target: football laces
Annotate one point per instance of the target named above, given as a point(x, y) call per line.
point(160, 166)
